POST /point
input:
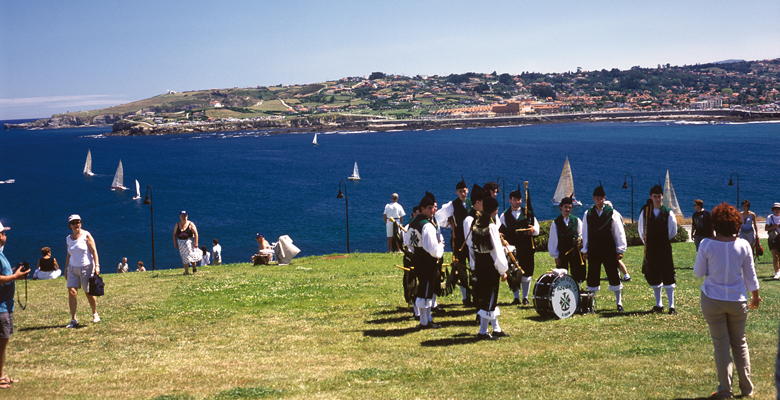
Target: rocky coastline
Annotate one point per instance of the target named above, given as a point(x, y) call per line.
point(126, 127)
point(360, 124)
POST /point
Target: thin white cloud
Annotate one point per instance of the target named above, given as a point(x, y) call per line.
point(86, 99)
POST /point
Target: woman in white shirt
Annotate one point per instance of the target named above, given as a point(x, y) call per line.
point(726, 264)
point(82, 262)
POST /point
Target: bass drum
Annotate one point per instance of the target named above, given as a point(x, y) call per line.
point(556, 295)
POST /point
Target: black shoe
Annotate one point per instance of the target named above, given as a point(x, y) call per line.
point(500, 334)
point(525, 302)
point(485, 336)
point(194, 270)
point(657, 310)
point(515, 302)
point(620, 308)
point(672, 311)
point(433, 325)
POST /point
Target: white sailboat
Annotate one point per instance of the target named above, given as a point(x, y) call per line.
point(119, 177)
point(670, 197)
point(355, 174)
point(565, 185)
point(137, 191)
point(314, 141)
point(8, 181)
point(88, 164)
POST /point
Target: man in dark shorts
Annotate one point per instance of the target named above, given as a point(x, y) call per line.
point(7, 278)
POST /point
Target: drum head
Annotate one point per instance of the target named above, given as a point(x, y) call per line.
point(564, 296)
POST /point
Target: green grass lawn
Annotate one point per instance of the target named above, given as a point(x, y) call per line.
point(332, 327)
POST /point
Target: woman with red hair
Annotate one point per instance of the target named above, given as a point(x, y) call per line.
point(726, 264)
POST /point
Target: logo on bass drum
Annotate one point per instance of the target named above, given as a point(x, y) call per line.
point(564, 300)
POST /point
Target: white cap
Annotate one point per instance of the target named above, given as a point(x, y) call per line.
point(74, 217)
point(183, 212)
point(4, 228)
point(394, 195)
point(776, 205)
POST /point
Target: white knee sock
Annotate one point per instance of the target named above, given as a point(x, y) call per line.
point(463, 293)
point(657, 293)
point(618, 295)
point(424, 316)
point(670, 295)
point(526, 285)
point(483, 325)
point(517, 294)
point(494, 322)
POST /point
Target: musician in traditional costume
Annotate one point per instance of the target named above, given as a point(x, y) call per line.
point(451, 215)
point(477, 195)
point(428, 250)
point(657, 227)
point(603, 243)
point(519, 228)
point(565, 241)
point(409, 276)
point(490, 265)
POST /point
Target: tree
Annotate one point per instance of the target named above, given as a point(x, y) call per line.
point(376, 75)
point(506, 79)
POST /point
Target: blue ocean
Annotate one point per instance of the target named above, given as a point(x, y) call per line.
point(236, 184)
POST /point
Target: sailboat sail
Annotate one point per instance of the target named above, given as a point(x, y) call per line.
point(88, 164)
point(137, 190)
point(314, 141)
point(119, 176)
point(355, 173)
point(670, 197)
point(565, 183)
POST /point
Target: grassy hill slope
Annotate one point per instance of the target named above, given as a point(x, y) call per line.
point(329, 327)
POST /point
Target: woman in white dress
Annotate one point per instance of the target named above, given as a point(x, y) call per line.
point(185, 240)
point(82, 262)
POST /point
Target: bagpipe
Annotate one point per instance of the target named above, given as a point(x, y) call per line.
point(515, 272)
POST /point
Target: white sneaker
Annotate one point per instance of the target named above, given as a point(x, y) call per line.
point(73, 324)
point(777, 275)
point(95, 318)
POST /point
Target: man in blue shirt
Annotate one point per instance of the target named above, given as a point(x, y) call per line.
point(7, 278)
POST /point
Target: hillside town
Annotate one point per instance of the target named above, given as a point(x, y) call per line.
point(727, 85)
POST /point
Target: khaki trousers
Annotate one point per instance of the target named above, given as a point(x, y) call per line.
point(726, 320)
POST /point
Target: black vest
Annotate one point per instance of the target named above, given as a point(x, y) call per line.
point(459, 214)
point(421, 256)
point(480, 235)
point(521, 240)
point(657, 228)
point(567, 234)
point(600, 231)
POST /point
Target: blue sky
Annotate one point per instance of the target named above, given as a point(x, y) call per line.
point(58, 56)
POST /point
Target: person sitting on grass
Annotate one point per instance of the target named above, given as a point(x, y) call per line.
point(47, 266)
point(264, 251)
point(139, 267)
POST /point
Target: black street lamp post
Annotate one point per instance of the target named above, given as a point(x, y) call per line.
point(345, 196)
point(148, 200)
point(731, 183)
point(625, 186)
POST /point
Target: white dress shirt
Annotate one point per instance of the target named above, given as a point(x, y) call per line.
point(498, 254)
point(618, 232)
point(445, 212)
point(552, 242)
point(671, 224)
point(394, 210)
point(516, 214)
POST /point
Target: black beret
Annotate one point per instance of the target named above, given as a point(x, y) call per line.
point(489, 204)
point(461, 185)
point(427, 200)
point(516, 194)
point(566, 200)
point(657, 189)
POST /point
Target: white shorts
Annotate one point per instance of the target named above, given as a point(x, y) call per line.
point(389, 228)
point(47, 274)
point(78, 277)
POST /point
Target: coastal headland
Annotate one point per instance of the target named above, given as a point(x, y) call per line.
point(361, 124)
point(733, 90)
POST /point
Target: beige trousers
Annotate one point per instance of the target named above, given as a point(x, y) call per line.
point(726, 320)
